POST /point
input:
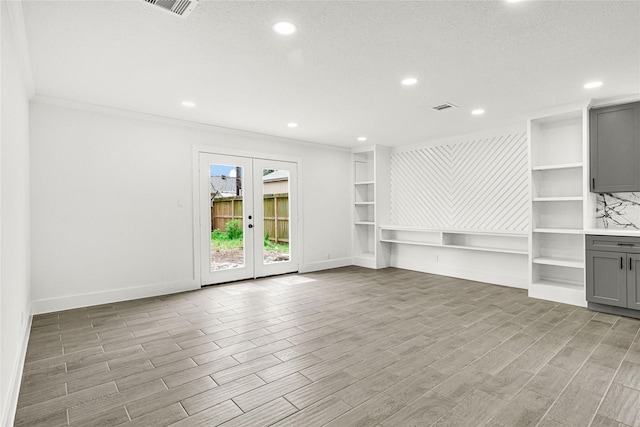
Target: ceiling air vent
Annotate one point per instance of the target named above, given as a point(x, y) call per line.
point(444, 106)
point(178, 7)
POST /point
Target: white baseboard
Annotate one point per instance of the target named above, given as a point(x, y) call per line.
point(115, 295)
point(16, 381)
point(478, 276)
point(326, 265)
point(559, 294)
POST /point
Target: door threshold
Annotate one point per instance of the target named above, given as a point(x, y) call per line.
point(230, 282)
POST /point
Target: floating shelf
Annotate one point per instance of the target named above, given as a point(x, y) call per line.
point(559, 230)
point(483, 249)
point(560, 284)
point(364, 183)
point(364, 223)
point(560, 262)
point(409, 242)
point(474, 240)
point(364, 203)
point(557, 167)
point(559, 199)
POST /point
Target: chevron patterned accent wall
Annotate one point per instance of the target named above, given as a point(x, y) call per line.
point(479, 184)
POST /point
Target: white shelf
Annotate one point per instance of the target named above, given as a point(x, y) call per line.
point(559, 199)
point(560, 262)
point(558, 154)
point(559, 230)
point(560, 284)
point(371, 199)
point(409, 242)
point(474, 240)
point(483, 249)
point(557, 167)
point(503, 233)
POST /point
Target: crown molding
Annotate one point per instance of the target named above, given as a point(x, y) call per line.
point(16, 17)
point(136, 115)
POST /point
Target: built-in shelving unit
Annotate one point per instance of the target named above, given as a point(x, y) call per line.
point(486, 241)
point(559, 196)
point(370, 203)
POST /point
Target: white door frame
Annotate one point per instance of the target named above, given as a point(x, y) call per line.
point(196, 150)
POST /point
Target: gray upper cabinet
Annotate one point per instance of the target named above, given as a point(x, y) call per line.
point(614, 138)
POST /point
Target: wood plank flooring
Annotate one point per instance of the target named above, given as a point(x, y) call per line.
point(343, 347)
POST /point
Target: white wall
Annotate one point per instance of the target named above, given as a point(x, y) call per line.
point(105, 219)
point(477, 182)
point(15, 293)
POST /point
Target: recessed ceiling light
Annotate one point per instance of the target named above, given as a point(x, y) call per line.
point(514, 1)
point(188, 104)
point(292, 125)
point(362, 138)
point(478, 112)
point(409, 81)
point(285, 28)
point(593, 85)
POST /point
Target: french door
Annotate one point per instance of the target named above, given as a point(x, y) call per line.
point(248, 217)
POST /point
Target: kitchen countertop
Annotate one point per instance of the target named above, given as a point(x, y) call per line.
point(612, 232)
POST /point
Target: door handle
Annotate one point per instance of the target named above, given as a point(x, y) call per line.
point(621, 261)
point(626, 244)
point(630, 265)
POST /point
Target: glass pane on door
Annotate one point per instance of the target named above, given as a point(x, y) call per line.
point(227, 205)
point(275, 193)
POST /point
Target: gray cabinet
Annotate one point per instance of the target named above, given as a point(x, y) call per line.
point(633, 282)
point(607, 278)
point(614, 139)
point(613, 271)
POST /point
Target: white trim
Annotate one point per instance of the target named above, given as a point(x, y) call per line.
point(519, 282)
point(606, 102)
point(16, 17)
point(558, 293)
point(196, 150)
point(326, 265)
point(137, 115)
point(560, 110)
point(112, 296)
point(16, 380)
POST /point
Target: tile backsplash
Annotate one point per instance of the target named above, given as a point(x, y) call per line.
point(618, 211)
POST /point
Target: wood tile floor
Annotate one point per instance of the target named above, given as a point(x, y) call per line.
point(342, 347)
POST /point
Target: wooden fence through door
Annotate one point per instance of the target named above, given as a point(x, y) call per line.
point(276, 215)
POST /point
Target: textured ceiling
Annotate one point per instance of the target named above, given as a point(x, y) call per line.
point(339, 75)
